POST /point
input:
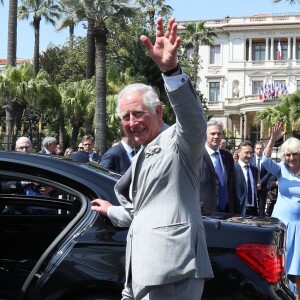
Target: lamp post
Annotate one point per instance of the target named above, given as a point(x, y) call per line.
point(243, 125)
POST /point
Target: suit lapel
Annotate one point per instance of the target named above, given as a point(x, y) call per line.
point(124, 154)
point(208, 161)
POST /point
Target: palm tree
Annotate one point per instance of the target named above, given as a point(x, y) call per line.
point(69, 20)
point(100, 12)
point(12, 33)
point(155, 8)
point(196, 34)
point(46, 9)
point(287, 112)
point(12, 90)
point(76, 98)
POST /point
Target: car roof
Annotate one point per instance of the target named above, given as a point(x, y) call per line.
point(58, 168)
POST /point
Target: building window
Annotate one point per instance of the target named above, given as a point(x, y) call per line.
point(256, 87)
point(214, 91)
point(298, 51)
point(259, 52)
point(214, 55)
point(298, 84)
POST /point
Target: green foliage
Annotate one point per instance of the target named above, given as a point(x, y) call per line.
point(13, 83)
point(287, 112)
point(65, 64)
point(151, 9)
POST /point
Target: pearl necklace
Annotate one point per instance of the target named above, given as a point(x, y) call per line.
point(295, 174)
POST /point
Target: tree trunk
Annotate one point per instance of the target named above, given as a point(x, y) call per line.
point(100, 109)
point(36, 62)
point(74, 136)
point(71, 35)
point(12, 33)
point(90, 59)
point(9, 125)
point(88, 125)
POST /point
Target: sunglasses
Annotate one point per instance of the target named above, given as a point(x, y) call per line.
point(80, 147)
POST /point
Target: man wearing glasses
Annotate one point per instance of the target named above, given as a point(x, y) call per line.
point(23, 144)
point(88, 146)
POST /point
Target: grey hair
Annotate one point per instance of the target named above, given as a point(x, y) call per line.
point(47, 141)
point(215, 123)
point(291, 145)
point(150, 97)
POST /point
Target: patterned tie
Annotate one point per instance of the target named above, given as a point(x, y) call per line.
point(249, 188)
point(258, 164)
point(222, 189)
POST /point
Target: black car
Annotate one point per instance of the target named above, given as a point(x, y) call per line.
point(53, 246)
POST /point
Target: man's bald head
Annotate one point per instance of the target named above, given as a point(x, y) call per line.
point(23, 144)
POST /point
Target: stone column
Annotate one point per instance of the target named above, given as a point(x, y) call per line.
point(294, 48)
point(250, 50)
point(267, 50)
point(289, 49)
point(245, 126)
point(272, 49)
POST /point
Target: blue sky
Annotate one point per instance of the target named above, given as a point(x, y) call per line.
point(183, 10)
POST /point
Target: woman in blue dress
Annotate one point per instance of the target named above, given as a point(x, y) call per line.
point(287, 207)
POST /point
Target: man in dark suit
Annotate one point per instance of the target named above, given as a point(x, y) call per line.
point(118, 158)
point(264, 175)
point(246, 180)
point(88, 146)
point(212, 197)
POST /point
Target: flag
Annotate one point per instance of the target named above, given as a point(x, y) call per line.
point(262, 94)
point(283, 89)
point(279, 50)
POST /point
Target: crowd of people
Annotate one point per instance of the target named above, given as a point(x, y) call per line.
point(172, 174)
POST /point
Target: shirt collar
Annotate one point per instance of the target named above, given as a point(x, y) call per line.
point(242, 164)
point(211, 151)
point(127, 147)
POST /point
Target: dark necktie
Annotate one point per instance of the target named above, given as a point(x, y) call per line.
point(133, 152)
point(249, 187)
point(258, 164)
point(220, 174)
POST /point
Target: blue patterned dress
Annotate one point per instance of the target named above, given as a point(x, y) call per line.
point(287, 209)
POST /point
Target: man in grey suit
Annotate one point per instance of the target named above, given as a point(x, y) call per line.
point(166, 255)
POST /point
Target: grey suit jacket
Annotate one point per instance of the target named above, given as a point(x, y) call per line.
point(166, 239)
